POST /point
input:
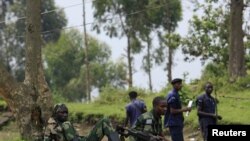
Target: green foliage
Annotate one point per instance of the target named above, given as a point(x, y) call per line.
point(218, 75)
point(167, 15)
point(58, 98)
point(65, 69)
point(115, 95)
point(208, 34)
point(3, 104)
point(12, 40)
point(171, 41)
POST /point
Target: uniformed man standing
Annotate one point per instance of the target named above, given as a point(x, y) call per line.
point(134, 109)
point(174, 116)
point(206, 110)
point(60, 129)
point(151, 122)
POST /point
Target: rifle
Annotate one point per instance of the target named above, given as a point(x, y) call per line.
point(144, 136)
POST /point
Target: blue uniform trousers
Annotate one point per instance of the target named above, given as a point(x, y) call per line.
point(176, 133)
point(204, 122)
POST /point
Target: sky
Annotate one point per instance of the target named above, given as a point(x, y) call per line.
point(74, 12)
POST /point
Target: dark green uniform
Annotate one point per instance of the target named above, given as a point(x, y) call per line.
point(149, 123)
point(66, 132)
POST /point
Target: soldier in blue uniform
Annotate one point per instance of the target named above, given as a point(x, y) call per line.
point(206, 110)
point(134, 109)
point(174, 116)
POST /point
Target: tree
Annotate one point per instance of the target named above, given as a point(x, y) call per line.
point(65, 70)
point(207, 37)
point(166, 20)
point(136, 19)
point(121, 22)
point(172, 41)
point(236, 65)
point(12, 41)
point(217, 35)
point(33, 91)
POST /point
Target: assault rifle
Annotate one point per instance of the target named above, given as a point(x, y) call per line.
point(144, 136)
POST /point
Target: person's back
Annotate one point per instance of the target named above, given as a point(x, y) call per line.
point(134, 109)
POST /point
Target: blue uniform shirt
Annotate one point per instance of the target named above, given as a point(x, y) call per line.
point(134, 110)
point(207, 104)
point(173, 101)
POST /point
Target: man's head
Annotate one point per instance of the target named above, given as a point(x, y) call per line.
point(209, 88)
point(159, 105)
point(60, 112)
point(132, 94)
point(177, 83)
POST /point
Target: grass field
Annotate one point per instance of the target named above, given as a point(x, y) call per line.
point(233, 107)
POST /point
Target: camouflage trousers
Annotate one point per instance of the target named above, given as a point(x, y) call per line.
point(102, 127)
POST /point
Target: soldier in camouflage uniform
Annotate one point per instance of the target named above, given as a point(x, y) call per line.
point(59, 129)
point(151, 122)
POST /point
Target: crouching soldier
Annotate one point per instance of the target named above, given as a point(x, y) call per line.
point(60, 129)
point(151, 122)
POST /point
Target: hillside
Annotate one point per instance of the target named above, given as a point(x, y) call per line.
point(233, 106)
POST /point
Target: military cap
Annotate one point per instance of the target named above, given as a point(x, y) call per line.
point(176, 80)
point(58, 107)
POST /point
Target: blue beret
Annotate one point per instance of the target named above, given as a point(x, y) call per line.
point(176, 80)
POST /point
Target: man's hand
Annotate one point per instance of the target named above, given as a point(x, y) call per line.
point(219, 117)
point(187, 109)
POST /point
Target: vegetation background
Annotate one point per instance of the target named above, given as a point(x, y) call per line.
point(76, 64)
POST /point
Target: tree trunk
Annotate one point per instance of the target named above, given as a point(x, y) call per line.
point(130, 74)
point(26, 98)
point(236, 49)
point(170, 63)
point(149, 63)
point(129, 56)
point(86, 56)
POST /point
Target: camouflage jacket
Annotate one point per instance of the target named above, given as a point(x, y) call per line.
point(148, 123)
point(55, 131)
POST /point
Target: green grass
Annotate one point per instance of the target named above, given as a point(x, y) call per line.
point(233, 107)
point(115, 109)
point(233, 110)
point(10, 133)
point(2, 103)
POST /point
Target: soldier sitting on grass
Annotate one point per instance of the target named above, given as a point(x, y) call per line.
point(60, 129)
